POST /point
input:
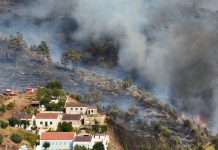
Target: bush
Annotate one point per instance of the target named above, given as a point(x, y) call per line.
point(98, 146)
point(11, 105)
point(78, 147)
point(187, 123)
point(215, 141)
point(100, 128)
point(46, 145)
point(166, 132)
point(16, 138)
point(2, 108)
point(65, 127)
point(13, 121)
point(54, 85)
point(3, 124)
point(1, 138)
point(127, 82)
point(77, 97)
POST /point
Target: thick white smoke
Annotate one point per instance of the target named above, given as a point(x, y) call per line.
point(170, 42)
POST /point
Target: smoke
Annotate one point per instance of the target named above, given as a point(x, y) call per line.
point(171, 43)
point(37, 21)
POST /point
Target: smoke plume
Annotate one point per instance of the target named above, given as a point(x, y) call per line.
point(171, 43)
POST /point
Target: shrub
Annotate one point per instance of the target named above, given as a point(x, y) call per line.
point(16, 138)
point(65, 127)
point(11, 105)
point(31, 138)
point(79, 147)
point(1, 138)
point(77, 97)
point(98, 146)
point(127, 82)
point(46, 145)
point(100, 128)
point(2, 108)
point(54, 85)
point(13, 121)
point(215, 141)
point(166, 132)
point(3, 124)
point(187, 123)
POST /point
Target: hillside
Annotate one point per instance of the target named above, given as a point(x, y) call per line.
point(140, 117)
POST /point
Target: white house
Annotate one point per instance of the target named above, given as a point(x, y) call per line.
point(89, 141)
point(48, 120)
point(104, 138)
point(74, 119)
point(57, 140)
point(80, 108)
point(83, 141)
point(26, 117)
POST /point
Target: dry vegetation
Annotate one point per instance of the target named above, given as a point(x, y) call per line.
point(21, 101)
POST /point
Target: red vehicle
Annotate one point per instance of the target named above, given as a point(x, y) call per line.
point(30, 90)
point(10, 92)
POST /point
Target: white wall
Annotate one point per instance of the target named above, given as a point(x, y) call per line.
point(53, 126)
point(76, 110)
point(57, 144)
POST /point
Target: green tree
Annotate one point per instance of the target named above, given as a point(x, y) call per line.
point(65, 127)
point(70, 56)
point(16, 138)
point(13, 121)
point(54, 85)
point(25, 123)
point(215, 141)
point(79, 147)
point(1, 138)
point(44, 50)
point(2, 108)
point(3, 124)
point(11, 105)
point(17, 43)
point(98, 146)
point(46, 145)
point(127, 82)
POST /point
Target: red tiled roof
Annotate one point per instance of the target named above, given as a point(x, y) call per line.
point(71, 117)
point(57, 136)
point(83, 138)
point(92, 107)
point(76, 105)
point(47, 116)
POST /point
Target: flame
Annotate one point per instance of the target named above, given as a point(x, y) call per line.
point(202, 122)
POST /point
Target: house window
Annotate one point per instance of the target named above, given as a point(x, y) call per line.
point(92, 111)
point(81, 108)
point(71, 108)
point(76, 108)
point(50, 123)
point(41, 122)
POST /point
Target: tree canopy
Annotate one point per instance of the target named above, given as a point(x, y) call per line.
point(70, 56)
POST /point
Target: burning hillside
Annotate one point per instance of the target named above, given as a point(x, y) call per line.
point(168, 47)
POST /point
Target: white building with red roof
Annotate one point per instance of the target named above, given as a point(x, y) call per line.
point(68, 140)
point(58, 140)
point(48, 121)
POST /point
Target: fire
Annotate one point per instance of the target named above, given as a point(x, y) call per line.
point(202, 122)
